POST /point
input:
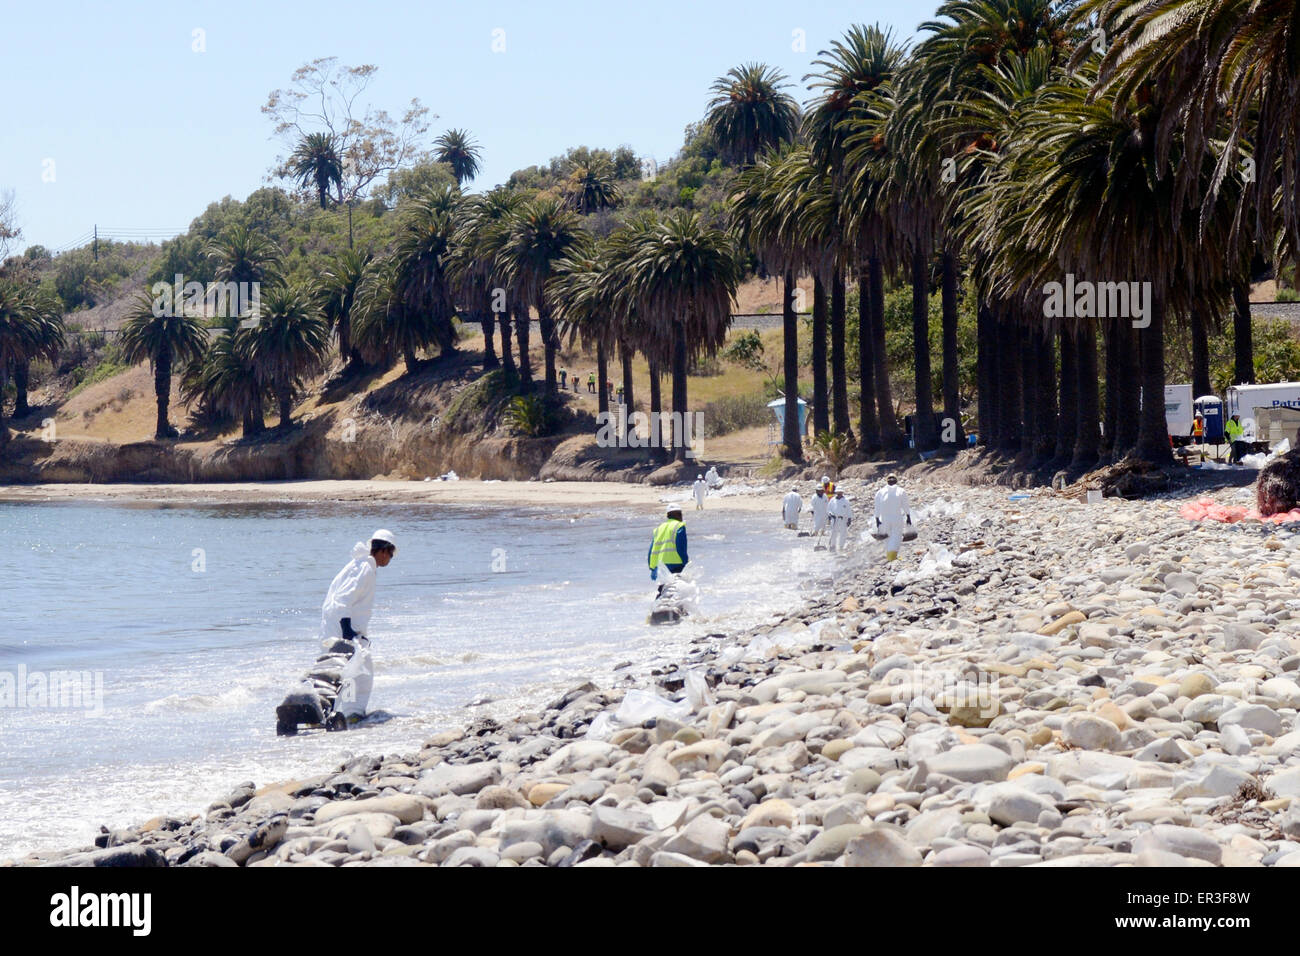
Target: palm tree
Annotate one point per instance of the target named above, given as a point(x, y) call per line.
point(474, 266)
point(243, 255)
point(163, 337)
point(406, 303)
point(459, 151)
point(340, 283)
point(31, 327)
point(686, 273)
point(764, 219)
point(225, 383)
point(289, 343)
point(592, 187)
point(316, 163)
point(539, 234)
point(580, 301)
point(749, 113)
point(851, 70)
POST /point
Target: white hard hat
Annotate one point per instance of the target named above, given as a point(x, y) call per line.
point(384, 535)
point(670, 509)
point(825, 478)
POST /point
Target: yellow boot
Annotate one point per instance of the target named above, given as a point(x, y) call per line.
point(891, 555)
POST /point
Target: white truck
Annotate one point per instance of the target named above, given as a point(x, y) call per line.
point(1249, 400)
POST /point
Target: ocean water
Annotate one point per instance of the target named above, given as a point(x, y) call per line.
point(191, 622)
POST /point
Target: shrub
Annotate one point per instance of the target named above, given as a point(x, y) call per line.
point(732, 413)
point(529, 415)
point(746, 350)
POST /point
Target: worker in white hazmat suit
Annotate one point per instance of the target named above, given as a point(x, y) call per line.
point(841, 516)
point(713, 478)
point(820, 510)
point(791, 505)
point(893, 514)
point(346, 614)
point(699, 490)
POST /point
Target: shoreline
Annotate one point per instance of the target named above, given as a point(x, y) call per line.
point(577, 494)
point(1040, 683)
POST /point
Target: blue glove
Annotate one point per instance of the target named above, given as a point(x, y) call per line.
point(654, 574)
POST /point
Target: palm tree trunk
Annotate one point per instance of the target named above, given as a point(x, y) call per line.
point(1112, 389)
point(924, 428)
point(821, 402)
point(679, 389)
point(839, 366)
point(951, 382)
point(162, 389)
point(869, 422)
point(602, 379)
point(525, 363)
point(1008, 368)
point(1243, 349)
point(1067, 417)
point(285, 394)
point(344, 329)
point(1029, 391)
point(625, 355)
point(1087, 440)
point(1153, 429)
point(891, 436)
point(409, 357)
point(507, 354)
point(656, 409)
point(985, 365)
point(489, 345)
point(1045, 444)
point(1128, 392)
point(1200, 353)
point(790, 433)
point(22, 374)
point(550, 346)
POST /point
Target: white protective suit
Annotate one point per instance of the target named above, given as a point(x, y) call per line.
point(352, 595)
point(791, 505)
point(714, 480)
point(892, 513)
point(820, 511)
point(841, 513)
point(699, 489)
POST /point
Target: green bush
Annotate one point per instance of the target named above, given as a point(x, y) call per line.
point(1287, 295)
point(746, 350)
point(529, 415)
point(735, 412)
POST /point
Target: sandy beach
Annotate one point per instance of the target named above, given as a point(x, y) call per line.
point(567, 494)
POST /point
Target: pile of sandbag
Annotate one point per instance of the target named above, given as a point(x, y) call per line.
point(335, 689)
point(1206, 509)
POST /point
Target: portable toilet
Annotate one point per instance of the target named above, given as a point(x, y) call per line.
point(1210, 408)
point(778, 409)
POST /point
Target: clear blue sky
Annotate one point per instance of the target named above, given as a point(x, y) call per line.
point(143, 132)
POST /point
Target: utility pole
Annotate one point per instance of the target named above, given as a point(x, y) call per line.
point(95, 245)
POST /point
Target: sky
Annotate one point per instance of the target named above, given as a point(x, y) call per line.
point(134, 116)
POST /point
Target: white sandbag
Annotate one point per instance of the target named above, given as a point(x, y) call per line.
point(358, 680)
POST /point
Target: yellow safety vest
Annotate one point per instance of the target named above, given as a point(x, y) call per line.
point(663, 548)
point(1233, 430)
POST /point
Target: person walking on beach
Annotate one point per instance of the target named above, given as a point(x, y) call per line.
point(893, 514)
point(346, 614)
point(790, 508)
point(820, 511)
point(699, 490)
point(668, 544)
point(841, 515)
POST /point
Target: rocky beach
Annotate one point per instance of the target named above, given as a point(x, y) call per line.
point(1037, 682)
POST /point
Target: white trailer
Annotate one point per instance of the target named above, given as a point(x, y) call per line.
point(1179, 412)
point(1248, 400)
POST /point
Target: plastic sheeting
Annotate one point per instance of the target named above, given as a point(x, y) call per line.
point(1206, 509)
